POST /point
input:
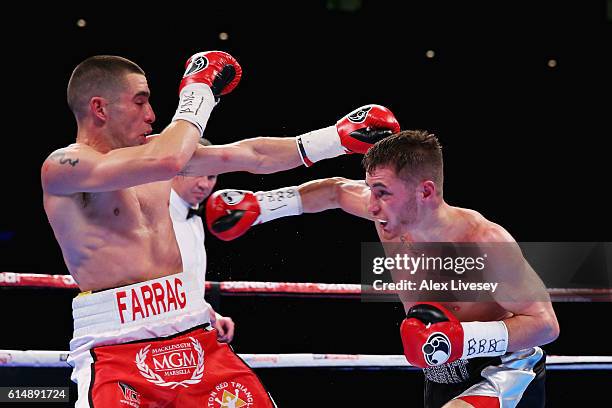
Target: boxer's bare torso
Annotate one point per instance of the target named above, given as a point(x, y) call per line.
point(468, 227)
point(115, 238)
point(108, 238)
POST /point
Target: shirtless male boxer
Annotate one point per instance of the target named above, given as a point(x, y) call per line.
point(402, 194)
point(140, 326)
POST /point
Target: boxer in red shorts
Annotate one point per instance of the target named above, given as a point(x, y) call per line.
point(141, 326)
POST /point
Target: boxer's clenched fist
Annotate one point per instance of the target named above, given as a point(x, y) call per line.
point(354, 133)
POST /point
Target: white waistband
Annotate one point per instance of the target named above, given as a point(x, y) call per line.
point(138, 305)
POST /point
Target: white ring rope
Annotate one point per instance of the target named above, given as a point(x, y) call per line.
point(52, 358)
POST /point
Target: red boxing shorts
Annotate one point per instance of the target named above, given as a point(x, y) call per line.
point(153, 331)
point(190, 369)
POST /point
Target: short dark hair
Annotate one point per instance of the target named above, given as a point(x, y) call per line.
point(411, 153)
point(97, 76)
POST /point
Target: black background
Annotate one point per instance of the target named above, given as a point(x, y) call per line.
point(524, 144)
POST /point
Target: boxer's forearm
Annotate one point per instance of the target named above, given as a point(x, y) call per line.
point(261, 155)
point(270, 154)
point(320, 195)
point(336, 192)
point(529, 331)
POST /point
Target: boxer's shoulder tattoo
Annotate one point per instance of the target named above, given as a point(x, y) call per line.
point(62, 158)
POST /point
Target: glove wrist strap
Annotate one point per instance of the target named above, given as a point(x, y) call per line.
point(196, 102)
point(283, 202)
point(484, 339)
point(319, 144)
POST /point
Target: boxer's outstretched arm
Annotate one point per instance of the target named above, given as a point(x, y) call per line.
point(231, 213)
point(260, 155)
point(351, 196)
point(356, 133)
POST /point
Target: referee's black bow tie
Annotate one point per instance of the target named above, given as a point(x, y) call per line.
point(195, 211)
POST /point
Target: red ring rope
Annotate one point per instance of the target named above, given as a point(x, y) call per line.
point(350, 290)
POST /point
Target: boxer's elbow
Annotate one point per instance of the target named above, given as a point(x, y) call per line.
point(550, 331)
point(554, 331)
point(164, 162)
point(169, 166)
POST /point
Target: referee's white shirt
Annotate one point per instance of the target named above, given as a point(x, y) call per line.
point(190, 237)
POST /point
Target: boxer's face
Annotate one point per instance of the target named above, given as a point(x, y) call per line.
point(130, 113)
point(194, 190)
point(392, 201)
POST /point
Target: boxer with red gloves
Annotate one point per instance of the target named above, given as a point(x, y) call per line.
point(473, 353)
point(115, 346)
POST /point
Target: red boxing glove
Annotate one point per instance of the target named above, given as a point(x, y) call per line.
point(230, 213)
point(354, 133)
point(432, 335)
point(207, 75)
point(365, 126)
point(217, 69)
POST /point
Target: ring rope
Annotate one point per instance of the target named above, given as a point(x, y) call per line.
point(53, 358)
point(248, 288)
